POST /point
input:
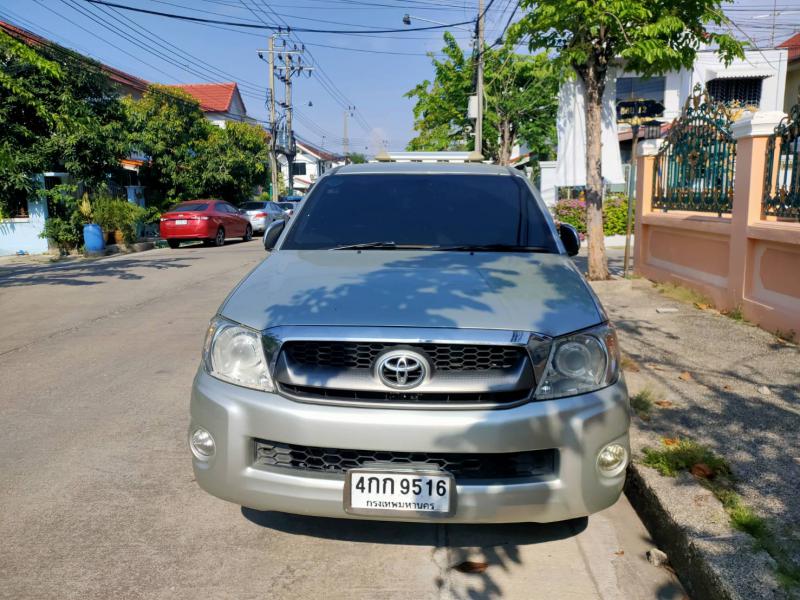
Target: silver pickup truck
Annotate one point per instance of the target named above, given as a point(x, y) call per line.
point(418, 345)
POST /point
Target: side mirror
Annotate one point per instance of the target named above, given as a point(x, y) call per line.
point(272, 233)
point(570, 238)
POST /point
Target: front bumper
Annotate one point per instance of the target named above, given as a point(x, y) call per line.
point(577, 427)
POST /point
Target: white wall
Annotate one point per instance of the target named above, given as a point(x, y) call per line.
point(547, 181)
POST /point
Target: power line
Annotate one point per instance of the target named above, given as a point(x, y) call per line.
point(247, 89)
point(270, 27)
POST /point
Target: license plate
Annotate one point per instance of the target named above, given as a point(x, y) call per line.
point(399, 493)
point(180, 221)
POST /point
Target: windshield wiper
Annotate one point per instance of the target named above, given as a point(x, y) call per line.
point(385, 246)
point(493, 248)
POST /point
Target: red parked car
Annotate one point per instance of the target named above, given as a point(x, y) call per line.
point(208, 220)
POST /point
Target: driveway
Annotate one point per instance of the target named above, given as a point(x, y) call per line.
point(97, 498)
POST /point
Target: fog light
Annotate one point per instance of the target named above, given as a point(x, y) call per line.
point(202, 444)
point(612, 459)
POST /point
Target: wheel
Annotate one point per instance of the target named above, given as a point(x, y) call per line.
point(248, 234)
point(219, 240)
point(174, 243)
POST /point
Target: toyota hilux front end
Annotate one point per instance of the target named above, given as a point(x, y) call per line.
point(390, 362)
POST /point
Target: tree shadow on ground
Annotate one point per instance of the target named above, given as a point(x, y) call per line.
point(713, 371)
point(88, 273)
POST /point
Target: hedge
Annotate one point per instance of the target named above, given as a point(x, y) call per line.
point(615, 214)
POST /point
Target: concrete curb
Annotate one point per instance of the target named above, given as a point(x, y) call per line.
point(693, 570)
point(123, 249)
point(715, 563)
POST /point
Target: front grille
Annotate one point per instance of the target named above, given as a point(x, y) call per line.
point(445, 357)
point(307, 392)
point(511, 465)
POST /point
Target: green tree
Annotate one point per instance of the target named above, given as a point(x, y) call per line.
point(356, 158)
point(520, 103)
point(168, 126)
point(232, 161)
point(440, 111)
point(58, 112)
point(649, 37)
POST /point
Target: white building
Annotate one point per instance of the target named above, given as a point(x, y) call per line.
point(758, 81)
point(309, 163)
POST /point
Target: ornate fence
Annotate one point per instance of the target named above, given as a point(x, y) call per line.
point(695, 166)
point(782, 173)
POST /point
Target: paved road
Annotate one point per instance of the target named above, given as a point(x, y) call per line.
point(96, 492)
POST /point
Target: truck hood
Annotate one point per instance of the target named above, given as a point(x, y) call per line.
point(544, 293)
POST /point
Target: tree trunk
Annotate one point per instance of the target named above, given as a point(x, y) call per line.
point(593, 82)
point(506, 140)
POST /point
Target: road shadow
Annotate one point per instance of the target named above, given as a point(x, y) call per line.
point(88, 273)
point(711, 371)
point(507, 535)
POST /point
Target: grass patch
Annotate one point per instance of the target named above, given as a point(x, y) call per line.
point(642, 403)
point(628, 364)
point(682, 294)
point(735, 314)
point(786, 336)
point(682, 455)
point(714, 473)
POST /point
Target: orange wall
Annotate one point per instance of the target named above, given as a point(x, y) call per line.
point(737, 260)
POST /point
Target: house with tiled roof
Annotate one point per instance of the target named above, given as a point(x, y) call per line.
point(220, 102)
point(792, 95)
point(309, 163)
point(20, 230)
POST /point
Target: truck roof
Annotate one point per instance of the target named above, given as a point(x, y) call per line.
point(397, 168)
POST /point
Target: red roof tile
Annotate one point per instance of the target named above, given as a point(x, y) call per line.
point(213, 97)
point(31, 39)
point(793, 45)
point(322, 154)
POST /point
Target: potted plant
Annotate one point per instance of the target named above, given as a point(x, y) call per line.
point(92, 233)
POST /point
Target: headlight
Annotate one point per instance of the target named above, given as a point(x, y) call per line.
point(235, 354)
point(580, 363)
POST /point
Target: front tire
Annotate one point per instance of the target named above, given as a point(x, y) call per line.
point(248, 234)
point(174, 244)
point(219, 239)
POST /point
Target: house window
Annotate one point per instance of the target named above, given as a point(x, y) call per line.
point(298, 168)
point(639, 88)
point(17, 207)
point(740, 91)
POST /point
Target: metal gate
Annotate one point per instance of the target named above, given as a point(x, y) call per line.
point(695, 166)
point(782, 175)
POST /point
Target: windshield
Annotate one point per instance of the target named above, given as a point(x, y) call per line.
point(253, 205)
point(191, 207)
point(285, 205)
point(420, 210)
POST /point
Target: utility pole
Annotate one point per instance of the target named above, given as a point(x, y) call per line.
point(346, 139)
point(273, 160)
point(288, 69)
point(477, 153)
point(288, 96)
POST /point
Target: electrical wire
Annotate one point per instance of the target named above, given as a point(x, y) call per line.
point(267, 25)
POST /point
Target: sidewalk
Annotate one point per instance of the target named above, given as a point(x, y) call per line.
point(734, 389)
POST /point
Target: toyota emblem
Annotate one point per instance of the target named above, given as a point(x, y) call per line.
point(402, 369)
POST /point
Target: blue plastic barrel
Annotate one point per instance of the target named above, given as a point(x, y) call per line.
point(93, 238)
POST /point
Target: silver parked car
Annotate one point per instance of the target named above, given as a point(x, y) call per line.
point(403, 354)
point(262, 214)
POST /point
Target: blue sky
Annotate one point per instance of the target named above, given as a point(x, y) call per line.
point(373, 82)
point(371, 72)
